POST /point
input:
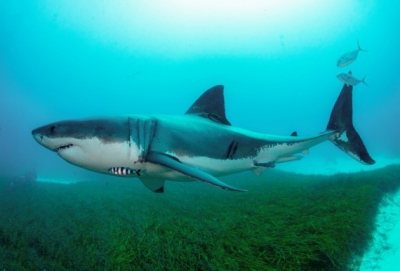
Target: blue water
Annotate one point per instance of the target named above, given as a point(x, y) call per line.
point(66, 59)
point(277, 60)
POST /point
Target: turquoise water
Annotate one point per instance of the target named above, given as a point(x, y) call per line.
point(63, 60)
point(278, 64)
point(277, 60)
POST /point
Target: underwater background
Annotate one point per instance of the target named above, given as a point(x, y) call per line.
point(277, 60)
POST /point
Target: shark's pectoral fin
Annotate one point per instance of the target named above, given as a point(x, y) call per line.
point(154, 184)
point(175, 164)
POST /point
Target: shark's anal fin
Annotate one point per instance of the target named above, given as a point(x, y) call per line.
point(175, 164)
point(154, 184)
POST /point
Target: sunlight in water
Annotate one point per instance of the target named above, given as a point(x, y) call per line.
point(207, 26)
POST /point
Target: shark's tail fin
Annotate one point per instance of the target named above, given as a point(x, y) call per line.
point(346, 137)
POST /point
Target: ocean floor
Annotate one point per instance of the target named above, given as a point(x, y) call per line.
point(384, 251)
point(286, 221)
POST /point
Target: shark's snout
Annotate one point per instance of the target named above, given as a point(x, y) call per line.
point(37, 135)
point(41, 136)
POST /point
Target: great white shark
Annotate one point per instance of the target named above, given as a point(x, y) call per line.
point(200, 145)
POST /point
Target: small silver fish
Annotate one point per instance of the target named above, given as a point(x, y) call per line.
point(349, 57)
point(349, 79)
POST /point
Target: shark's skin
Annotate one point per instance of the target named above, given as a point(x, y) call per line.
point(200, 145)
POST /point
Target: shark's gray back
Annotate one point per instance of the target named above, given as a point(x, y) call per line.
point(195, 136)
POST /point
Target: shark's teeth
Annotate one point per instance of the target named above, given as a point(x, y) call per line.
point(63, 147)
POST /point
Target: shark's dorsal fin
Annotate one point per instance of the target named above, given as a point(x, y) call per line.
point(211, 105)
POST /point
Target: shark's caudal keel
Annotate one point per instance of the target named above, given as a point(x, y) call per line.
point(200, 145)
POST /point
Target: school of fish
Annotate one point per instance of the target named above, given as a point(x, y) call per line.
point(345, 60)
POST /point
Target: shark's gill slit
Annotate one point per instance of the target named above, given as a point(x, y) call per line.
point(232, 148)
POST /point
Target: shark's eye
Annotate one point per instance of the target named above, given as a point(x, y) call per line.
point(52, 128)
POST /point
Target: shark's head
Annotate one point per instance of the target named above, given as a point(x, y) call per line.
point(95, 144)
point(60, 137)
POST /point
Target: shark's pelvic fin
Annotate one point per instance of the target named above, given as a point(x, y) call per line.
point(289, 158)
point(341, 120)
point(154, 184)
point(175, 164)
point(211, 105)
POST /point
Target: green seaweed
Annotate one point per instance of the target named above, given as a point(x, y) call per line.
point(285, 222)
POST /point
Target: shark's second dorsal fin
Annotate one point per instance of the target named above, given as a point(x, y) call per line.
point(211, 105)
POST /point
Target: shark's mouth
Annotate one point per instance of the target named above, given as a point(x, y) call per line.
point(64, 147)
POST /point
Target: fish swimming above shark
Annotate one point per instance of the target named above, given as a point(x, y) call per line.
point(349, 57)
point(350, 80)
point(200, 145)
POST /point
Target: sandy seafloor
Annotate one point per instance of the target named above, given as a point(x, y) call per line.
point(384, 253)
